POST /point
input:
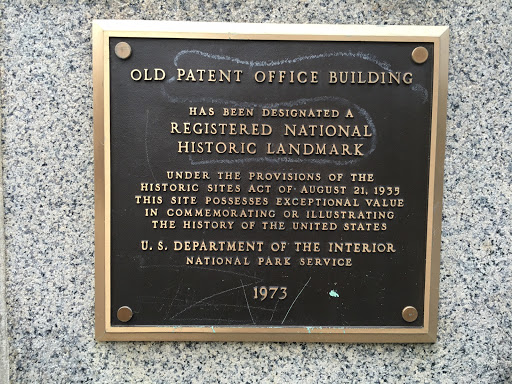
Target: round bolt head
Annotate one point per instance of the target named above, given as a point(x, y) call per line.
point(409, 314)
point(123, 50)
point(419, 55)
point(124, 314)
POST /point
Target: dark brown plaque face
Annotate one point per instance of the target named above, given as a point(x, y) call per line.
point(266, 188)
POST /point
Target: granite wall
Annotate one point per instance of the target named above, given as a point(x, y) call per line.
point(48, 191)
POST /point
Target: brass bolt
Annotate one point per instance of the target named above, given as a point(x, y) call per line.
point(419, 55)
point(123, 50)
point(409, 314)
point(124, 314)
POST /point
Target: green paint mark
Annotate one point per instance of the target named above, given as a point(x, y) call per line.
point(333, 293)
point(213, 329)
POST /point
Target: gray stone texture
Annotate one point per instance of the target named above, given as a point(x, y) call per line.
point(46, 114)
point(4, 353)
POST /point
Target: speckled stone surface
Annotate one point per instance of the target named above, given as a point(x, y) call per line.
point(46, 112)
point(4, 353)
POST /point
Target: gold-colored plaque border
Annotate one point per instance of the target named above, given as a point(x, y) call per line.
point(104, 29)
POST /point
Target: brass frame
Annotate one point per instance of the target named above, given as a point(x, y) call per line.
point(104, 29)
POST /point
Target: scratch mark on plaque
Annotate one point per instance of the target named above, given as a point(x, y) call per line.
point(146, 145)
point(172, 301)
point(179, 267)
point(209, 297)
point(220, 270)
point(209, 319)
point(274, 311)
point(247, 302)
point(236, 306)
point(289, 309)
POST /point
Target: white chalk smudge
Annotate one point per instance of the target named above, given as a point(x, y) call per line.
point(357, 55)
point(423, 93)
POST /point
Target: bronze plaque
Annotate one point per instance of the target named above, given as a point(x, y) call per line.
point(268, 182)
